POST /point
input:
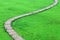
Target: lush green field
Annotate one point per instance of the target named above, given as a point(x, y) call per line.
point(41, 26)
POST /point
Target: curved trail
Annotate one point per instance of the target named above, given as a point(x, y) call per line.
point(9, 28)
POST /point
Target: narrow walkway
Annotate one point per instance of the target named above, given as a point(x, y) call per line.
point(11, 31)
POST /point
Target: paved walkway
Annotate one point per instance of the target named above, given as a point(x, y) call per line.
point(11, 31)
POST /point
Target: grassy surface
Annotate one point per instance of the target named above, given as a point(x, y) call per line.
point(42, 26)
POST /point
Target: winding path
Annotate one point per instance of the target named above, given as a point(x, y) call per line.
point(9, 28)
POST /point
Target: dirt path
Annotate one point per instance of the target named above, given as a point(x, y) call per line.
point(11, 31)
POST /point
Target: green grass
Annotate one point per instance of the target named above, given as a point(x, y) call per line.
point(41, 26)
